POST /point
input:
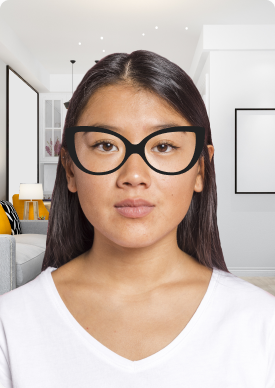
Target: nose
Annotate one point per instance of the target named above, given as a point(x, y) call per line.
point(134, 172)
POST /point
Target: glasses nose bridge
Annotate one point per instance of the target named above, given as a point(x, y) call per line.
point(135, 149)
point(132, 149)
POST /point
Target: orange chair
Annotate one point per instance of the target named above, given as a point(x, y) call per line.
point(18, 205)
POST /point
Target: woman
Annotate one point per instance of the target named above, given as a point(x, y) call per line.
point(134, 290)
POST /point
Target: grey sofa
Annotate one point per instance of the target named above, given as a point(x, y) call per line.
point(21, 256)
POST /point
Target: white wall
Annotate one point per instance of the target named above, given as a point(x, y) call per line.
point(241, 75)
point(3, 155)
point(62, 83)
point(203, 84)
point(241, 79)
point(18, 56)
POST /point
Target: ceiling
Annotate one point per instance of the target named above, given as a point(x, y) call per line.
point(52, 29)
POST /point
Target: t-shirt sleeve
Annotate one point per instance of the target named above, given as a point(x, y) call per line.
point(5, 382)
point(271, 359)
point(5, 374)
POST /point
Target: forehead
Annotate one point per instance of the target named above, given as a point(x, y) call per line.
point(126, 104)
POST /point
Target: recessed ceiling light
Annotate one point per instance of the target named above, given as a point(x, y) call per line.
point(79, 43)
point(103, 51)
point(101, 37)
point(1, 2)
point(273, 2)
point(156, 27)
point(143, 34)
point(186, 28)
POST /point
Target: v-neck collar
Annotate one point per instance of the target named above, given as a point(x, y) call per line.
point(109, 354)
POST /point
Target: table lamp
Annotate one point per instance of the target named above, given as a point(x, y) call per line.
point(27, 191)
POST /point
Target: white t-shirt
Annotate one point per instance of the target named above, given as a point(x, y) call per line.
point(228, 343)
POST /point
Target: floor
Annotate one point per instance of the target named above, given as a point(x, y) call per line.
point(266, 283)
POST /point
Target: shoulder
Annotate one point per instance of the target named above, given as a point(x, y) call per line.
point(245, 298)
point(17, 297)
point(16, 303)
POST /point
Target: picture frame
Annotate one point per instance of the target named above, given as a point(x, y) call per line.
point(255, 151)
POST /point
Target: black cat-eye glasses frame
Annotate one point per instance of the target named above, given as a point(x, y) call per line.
point(134, 148)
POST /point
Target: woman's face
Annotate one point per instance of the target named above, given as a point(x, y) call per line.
point(135, 113)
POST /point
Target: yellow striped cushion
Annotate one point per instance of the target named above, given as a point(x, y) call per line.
point(5, 226)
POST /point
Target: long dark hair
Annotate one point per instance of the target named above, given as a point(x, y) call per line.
point(69, 232)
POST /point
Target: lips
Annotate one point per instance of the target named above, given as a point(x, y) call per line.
point(134, 211)
point(133, 203)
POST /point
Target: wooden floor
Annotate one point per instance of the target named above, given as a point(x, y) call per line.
point(266, 283)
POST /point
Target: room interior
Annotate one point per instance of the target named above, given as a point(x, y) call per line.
point(227, 49)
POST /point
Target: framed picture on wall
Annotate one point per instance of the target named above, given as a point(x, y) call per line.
point(254, 151)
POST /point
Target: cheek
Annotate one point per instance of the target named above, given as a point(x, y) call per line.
point(93, 193)
point(176, 194)
point(175, 187)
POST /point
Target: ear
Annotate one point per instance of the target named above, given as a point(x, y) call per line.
point(200, 176)
point(68, 166)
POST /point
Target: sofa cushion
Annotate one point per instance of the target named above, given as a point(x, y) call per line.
point(27, 252)
point(5, 226)
point(30, 252)
point(39, 240)
point(12, 217)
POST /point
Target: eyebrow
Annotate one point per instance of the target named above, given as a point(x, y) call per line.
point(119, 130)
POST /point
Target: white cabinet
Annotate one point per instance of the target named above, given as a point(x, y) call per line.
point(52, 118)
point(52, 129)
point(52, 114)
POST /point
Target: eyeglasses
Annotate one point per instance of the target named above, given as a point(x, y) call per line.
point(92, 149)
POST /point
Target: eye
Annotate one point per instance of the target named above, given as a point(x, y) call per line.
point(107, 143)
point(165, 145)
